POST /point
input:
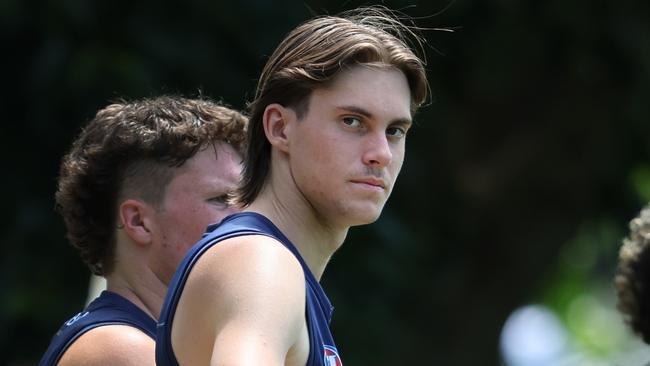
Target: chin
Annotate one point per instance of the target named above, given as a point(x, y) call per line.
point(365, 222)
point(365, 217)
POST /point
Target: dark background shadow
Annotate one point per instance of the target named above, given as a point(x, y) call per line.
point(538, 129)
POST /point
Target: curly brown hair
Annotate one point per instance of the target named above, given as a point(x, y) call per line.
point(128, 150)
point(311, 56)
point(633, 276)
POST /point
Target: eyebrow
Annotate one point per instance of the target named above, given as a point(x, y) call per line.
point(367, 114)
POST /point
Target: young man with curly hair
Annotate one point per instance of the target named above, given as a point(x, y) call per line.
point(326, 142)
point(138, 188)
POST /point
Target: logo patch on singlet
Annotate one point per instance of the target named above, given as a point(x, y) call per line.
point(75, 318)
point(331, 356)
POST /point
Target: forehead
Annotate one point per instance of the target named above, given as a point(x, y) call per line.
point(217, 163)
point(384, 91)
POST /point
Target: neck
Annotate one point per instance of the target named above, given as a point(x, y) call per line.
point(144, 290)
point(311, 234)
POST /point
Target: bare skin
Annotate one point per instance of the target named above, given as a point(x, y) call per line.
point(151, 241)
point(126, 346)
point(244, 301)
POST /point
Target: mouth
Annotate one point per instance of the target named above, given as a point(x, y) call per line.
point(373, 183)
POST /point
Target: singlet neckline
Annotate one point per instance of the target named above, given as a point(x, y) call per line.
point(110, 298)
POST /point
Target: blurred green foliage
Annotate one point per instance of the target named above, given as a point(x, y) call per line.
point(518, 183)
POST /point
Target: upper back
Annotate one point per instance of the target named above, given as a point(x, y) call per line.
point(108, 309)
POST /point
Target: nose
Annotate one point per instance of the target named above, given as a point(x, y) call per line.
point(377, 152)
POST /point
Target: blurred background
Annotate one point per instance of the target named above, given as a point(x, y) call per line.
point(500, 242)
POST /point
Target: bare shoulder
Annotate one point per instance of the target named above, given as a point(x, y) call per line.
point(252, 266)
point(245, 295)
point(111, 345)
point(250, 256)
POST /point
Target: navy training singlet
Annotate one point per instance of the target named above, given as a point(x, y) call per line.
point(108, 308)
point(318, 312)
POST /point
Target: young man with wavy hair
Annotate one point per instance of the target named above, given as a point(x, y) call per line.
point(138, 188)
point(326, 142)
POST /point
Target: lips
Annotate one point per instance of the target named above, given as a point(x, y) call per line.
point(375, 182)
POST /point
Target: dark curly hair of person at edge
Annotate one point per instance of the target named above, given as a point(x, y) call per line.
point(633, 276)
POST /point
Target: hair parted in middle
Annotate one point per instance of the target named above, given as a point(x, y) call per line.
point(310, 57)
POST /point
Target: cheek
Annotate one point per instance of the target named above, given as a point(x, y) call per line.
point(319, 163)
point(186, 226)
point(310, 149)
point(200, 218)
point(322, 160)
point(398, 159)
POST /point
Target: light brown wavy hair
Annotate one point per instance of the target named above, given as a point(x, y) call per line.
point(633, 276)
point(311, 56)
point(129, 150)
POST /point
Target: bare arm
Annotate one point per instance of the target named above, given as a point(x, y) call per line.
point(111, 345)
point(243, 304)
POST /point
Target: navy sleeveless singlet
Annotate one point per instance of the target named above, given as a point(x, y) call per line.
point(318, 312)
point(108, 308)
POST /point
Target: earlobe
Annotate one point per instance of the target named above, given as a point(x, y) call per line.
point(134, 220)
point(277, 121)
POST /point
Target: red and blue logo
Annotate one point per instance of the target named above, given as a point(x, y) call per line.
point(331, 356)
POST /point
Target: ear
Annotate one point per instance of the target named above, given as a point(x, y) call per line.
point(135, 219)
point(278, 122)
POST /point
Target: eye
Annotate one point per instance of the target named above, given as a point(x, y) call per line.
point(352, 122)
point(221, 199)
point(396, 132)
